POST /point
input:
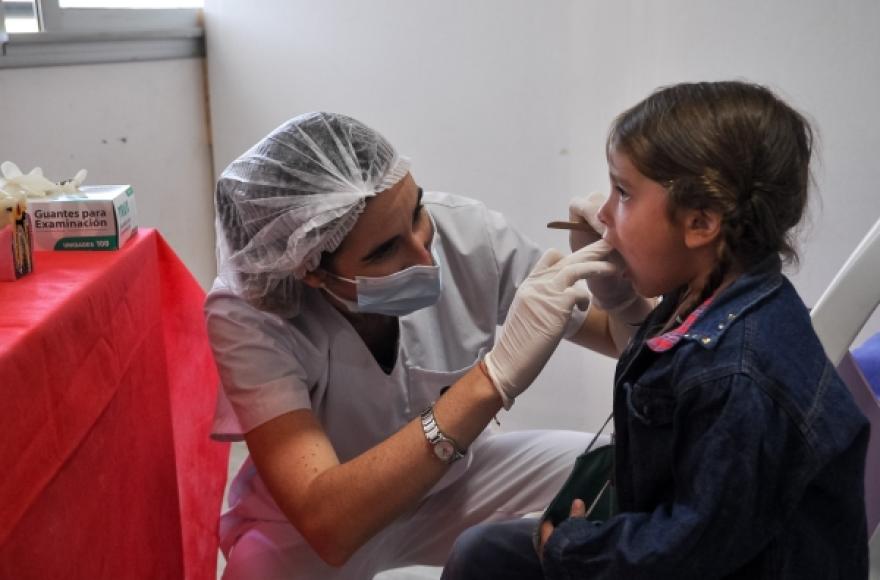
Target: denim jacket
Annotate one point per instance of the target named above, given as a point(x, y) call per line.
point(739, 451)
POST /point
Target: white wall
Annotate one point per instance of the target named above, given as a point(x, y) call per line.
point(139, 123)
point(509, 101)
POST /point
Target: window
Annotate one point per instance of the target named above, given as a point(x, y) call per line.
point(131, 3)
point(21, 16)
point(58, 32)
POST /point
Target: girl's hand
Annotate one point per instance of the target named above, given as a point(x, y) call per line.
point(578, 510)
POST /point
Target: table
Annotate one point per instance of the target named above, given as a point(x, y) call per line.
point(107, 392)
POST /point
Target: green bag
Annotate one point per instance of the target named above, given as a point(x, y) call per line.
point(591, 480)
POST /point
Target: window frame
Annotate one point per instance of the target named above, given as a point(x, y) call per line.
point(74, 36)
point(3, 36)
point(54, 18)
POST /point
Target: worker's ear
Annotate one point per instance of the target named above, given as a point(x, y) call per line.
point(315, 278)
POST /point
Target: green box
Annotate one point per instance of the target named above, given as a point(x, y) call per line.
point(97, 217)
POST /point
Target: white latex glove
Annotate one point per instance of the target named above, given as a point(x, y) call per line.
point(586, 209)
point(34, 184)
point(610, 291)
point(539, 315)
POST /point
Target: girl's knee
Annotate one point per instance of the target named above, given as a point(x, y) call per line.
point(470, 554)
point(494, 550)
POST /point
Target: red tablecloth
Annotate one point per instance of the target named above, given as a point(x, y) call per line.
point(107, 390)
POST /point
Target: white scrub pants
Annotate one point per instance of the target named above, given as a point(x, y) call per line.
point(511, 474)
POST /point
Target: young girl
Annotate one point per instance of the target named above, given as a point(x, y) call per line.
point(739, 451)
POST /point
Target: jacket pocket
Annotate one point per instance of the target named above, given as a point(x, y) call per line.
point(652, 406)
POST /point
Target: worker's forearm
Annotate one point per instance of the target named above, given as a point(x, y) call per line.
point(348, 504)
point(623, 323)
point(609, 333)
point(594, 333)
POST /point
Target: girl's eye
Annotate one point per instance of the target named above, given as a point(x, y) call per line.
point(622, 193)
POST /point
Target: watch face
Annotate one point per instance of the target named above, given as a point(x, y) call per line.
point(444, 450)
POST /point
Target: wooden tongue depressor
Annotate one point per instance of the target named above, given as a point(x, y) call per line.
point(563, 225)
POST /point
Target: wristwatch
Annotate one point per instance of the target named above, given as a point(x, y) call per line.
point(444, 448)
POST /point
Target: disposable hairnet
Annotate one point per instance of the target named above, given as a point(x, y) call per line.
point(295, 194)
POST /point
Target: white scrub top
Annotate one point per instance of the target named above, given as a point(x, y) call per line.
point(269, 365)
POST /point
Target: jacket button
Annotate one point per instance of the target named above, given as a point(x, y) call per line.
point(706, 340)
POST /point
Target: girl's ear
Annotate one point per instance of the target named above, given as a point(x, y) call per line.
point(702, 227)
point(315, 278)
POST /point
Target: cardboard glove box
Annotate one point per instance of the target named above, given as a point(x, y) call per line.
point(98, 217)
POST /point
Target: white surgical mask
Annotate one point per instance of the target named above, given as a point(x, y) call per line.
point(397, 294)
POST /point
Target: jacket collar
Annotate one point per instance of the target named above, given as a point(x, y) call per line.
point(711, 319)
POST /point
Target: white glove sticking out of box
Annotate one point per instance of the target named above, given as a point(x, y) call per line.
point(34, 184)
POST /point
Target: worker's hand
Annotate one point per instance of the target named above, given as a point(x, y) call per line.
point(578, 510)
point(611, 291)
point(586, 209)
point(538, 316)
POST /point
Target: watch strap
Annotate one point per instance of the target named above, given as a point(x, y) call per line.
point(435, 437)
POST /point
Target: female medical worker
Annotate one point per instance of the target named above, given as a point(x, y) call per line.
point(348, 323)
